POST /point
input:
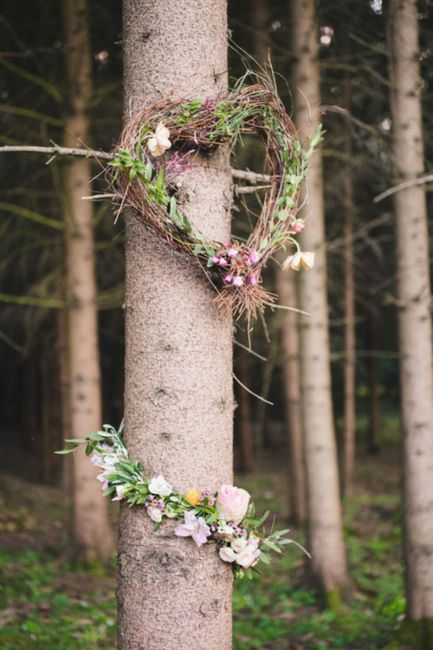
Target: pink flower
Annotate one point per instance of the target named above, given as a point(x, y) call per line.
point(232, 252)
point(194, 527)
point(252, 280)
point(238, 281)
point(215, 259)
point(222, 261)
point(254, 257)
point(232, 503)
point(297, 226)
point(154, 513)
point(228, 279)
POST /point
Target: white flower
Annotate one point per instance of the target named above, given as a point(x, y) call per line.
point(299, 261)
point(159, 141)
point(159, 486)
point(194, 527)
point(120, 493)
point(244, 552)
point(155, 514)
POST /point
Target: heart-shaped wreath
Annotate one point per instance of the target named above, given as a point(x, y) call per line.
point(144, 178)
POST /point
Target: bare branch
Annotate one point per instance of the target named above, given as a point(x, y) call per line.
point(403, 186)
point(58, 151)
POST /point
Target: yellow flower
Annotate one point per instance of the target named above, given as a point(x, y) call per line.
point(159, 141)
point(193, 497)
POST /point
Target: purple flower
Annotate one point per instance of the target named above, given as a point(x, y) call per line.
point(238, 281)
point(232, 252)
point(222, 261)
point(215, 259)
point(252, 280)
point(209, 104)
point(194, 527)
point(228, 279)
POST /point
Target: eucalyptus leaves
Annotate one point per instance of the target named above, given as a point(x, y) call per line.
point(226, 518)
point(167, 138)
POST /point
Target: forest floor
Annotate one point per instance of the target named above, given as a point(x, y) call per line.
point(48, 604)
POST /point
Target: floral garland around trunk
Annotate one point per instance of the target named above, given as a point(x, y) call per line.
point(226, 517)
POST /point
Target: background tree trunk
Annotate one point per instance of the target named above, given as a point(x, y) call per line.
point(244, 428)
point(415, 329)
point(326, 537)
point(92, 536)
point(178, 383)
point(373, 432)
point(349, 324)
point(286, 287)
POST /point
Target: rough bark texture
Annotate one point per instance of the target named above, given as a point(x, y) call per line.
point(178, 383)
point(292, 395)
point(415, 329)
point(326, 538)
point(92, 537)
point(349, 328)
point(373, 433)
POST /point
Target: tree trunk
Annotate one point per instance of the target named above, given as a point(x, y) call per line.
point(349, 327)
point(92, 536)
point(415, 328)
point(244, 429)
point(326, 537)
point(373, 433)
point(260, 19)
point(292, 395)
point(178, 381)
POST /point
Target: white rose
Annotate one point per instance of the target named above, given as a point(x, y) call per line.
point(248, 556)
point(227, 554)
point(239, 544)
point(159, 486)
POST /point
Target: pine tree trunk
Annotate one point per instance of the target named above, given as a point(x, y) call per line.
point(292, 395)
point(373, 434)
point(415, 328)
point(324, 508)
point(92, 536)
point(178, 382)
point(245, 429)
point(349, 328)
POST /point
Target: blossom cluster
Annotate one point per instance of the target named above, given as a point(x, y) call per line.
point(226, 518)
point(237, 262)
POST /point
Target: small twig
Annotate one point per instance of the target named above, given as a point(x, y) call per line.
point(58, 151)
point(245, 347)
point(403, 186)
point(274, 305)
point(98, 197)
point(251, 177)
point(262, 399)
point(252, 189)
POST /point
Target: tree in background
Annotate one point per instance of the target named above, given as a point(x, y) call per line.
point(92, 535)
point(324, 507)
point(415, 327)
point(178, 371)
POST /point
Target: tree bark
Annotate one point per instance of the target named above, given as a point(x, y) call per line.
point(92, 536)
point(178, 382)
point(324, 508)
point(415, 327)
point(373, 433)
point(292, 395)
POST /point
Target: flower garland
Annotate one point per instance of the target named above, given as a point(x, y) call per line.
point(144, 179)
point(226, 517)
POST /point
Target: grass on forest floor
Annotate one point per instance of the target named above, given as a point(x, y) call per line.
point(47, 604)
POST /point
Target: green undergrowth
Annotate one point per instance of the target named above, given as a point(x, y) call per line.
point(48, 604)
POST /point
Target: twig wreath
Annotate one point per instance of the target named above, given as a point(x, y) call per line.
point(226, 517)
point(144, 179)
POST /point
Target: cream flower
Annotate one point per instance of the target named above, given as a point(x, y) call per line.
point(159, 142)
point(159, 486)
point(299, 261)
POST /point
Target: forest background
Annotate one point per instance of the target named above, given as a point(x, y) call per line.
point(50, 593)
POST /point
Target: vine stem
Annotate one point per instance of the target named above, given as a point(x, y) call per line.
point(56, 150)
